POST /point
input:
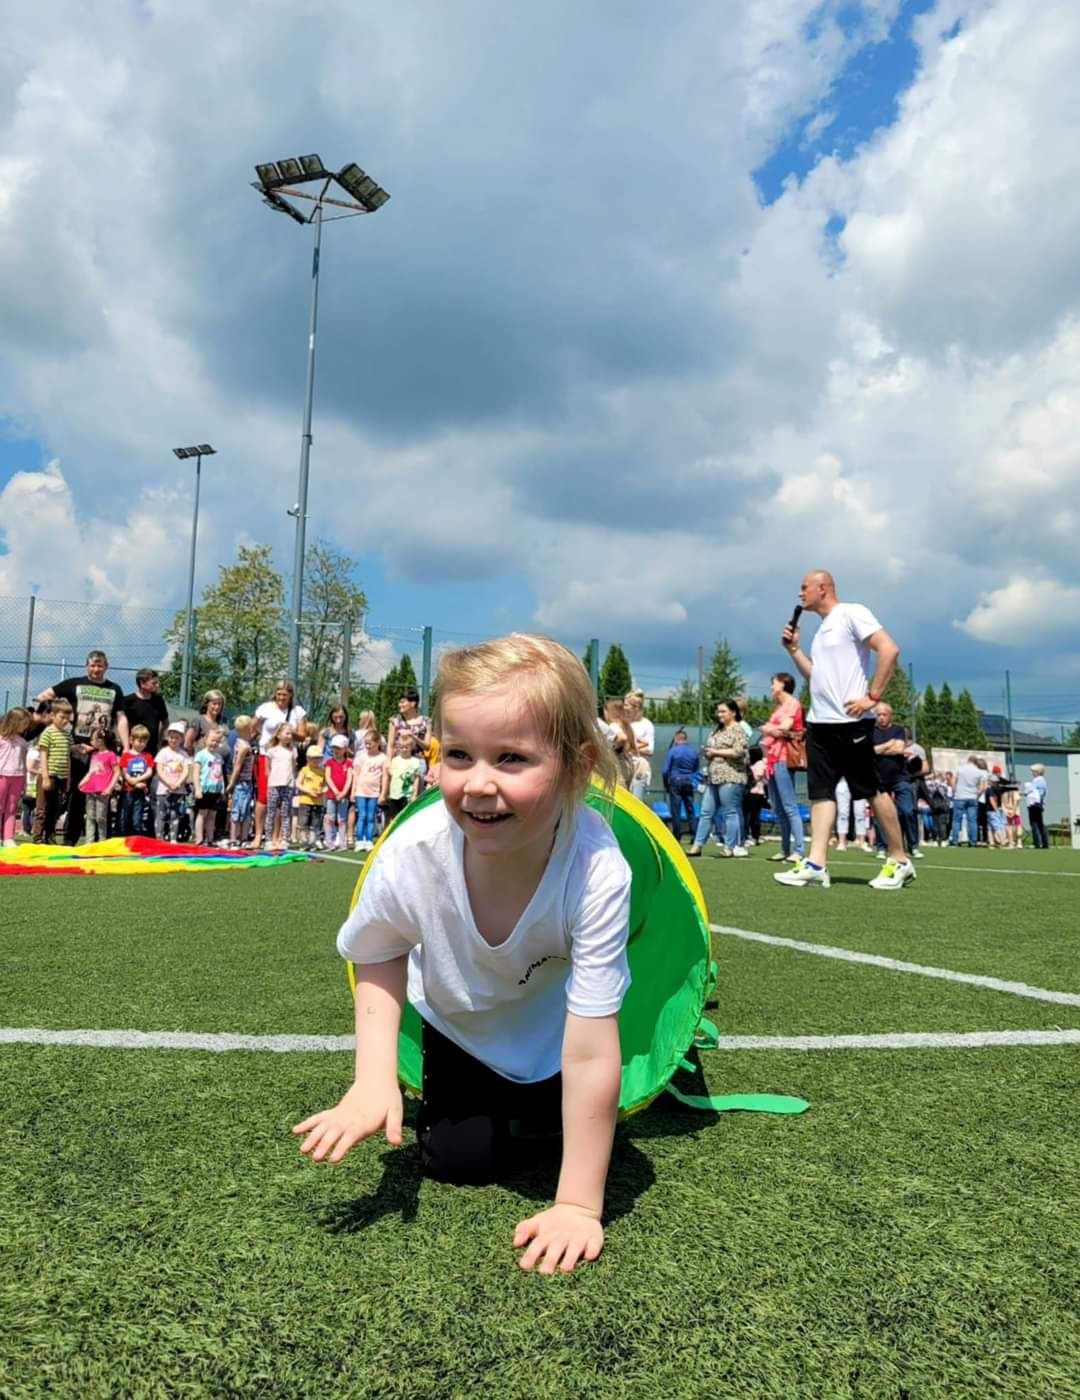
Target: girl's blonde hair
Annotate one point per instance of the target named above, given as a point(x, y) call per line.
point(275, 738)
point(16, 721)
point(635, 697)
point(553, 685)
point(242, 725)
point(366, 720)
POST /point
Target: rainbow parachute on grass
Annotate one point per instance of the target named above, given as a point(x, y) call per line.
point(135, 855)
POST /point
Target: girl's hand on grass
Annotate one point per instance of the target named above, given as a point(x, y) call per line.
point(561, 1237)
point(362, 1112)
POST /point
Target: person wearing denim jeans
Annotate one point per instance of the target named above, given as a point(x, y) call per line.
point(968, 781)
point(726, 753)
point(786, 719)
point(786, 810)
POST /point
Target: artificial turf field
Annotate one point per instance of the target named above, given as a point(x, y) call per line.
point(916, 1233)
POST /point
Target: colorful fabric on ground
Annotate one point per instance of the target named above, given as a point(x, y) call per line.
point(135, 855)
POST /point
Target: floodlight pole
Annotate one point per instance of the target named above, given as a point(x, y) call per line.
point(189, 628)
point(305, 457)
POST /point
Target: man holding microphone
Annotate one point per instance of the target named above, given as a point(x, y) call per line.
point(840, 727)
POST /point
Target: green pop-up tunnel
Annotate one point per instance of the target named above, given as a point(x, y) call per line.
point(671, 969)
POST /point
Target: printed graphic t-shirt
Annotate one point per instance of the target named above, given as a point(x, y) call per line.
point(369, 769)
point(173, 764)
point(134, 765)
point(102, 767)
point(96, 704)
point(211, 771)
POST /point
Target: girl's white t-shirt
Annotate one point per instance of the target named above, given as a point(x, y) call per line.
point(506, 1006)
point(272, 716)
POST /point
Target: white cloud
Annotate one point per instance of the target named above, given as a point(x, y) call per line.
point(1024, 610)
point(683, 399)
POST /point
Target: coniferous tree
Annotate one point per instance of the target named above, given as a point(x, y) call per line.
point(969, 733)
point(947, 717)
point(615, 678)
point(929, 719)
point(723, 679)
point(901, 697)
point(680, 708)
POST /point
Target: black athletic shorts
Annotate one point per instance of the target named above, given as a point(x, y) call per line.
point(835, 751)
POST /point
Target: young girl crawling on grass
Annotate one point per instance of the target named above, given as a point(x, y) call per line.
point(502, 914)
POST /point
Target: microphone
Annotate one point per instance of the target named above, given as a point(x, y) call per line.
point(795, 616)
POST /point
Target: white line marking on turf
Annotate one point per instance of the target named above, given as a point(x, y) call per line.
point(174, 1040)
point(900, 1040)
point(975, 869)
point(824, 950)
point(219, 1043)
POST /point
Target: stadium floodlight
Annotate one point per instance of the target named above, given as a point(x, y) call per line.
point(362, 187)
point(201, 450)
point(366, 196)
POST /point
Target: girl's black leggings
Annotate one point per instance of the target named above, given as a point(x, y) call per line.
point(475, 1126)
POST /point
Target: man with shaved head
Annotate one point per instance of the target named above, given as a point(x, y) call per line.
point(848, 645)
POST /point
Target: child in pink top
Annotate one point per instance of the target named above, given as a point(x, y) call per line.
point(368, 769)
point(339, 779)
point(99, 785)
point(13, 729)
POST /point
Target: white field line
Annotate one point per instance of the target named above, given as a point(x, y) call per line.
point(824, 950)
point(220, 1043)
point(974, 869)
point(900, 1040)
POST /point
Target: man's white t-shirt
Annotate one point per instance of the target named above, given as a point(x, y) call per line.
point(273, 716)
point(842, 662)
point(506, 1005)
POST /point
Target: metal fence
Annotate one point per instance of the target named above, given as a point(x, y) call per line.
point(43, 640)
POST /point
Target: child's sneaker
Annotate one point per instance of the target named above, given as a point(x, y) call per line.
point(804, 873)
point(894, 875)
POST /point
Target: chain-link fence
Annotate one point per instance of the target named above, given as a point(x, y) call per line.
point(43, 640)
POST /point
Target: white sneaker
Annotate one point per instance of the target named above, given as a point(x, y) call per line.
point(804, 874)
point(8, 845)
point(880, 855)
point(916, 855)
point(894, 875)
point(740, 851)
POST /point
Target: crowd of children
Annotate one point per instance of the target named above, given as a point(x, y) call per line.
point(326, 788)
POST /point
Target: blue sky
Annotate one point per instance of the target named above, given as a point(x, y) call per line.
point(660, 314)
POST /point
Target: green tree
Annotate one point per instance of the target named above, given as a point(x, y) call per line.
point(929, 718)
point(967, 731)
point(1072, 740)
point(758, 709)
point(723, 679)
point(901, 697)
point(615, 678)
point(946, 716)
point(240, 631)
point(331, 598)
point(680, 708)
point(206, 673)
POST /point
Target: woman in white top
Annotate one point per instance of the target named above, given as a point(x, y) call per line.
point(645, 738)
point(273, 713)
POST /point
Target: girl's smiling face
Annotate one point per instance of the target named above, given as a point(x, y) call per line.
point(500, 781)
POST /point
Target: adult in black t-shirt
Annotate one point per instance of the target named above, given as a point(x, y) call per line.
point(96, 704)
point(146, 707)
point(894, 777)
